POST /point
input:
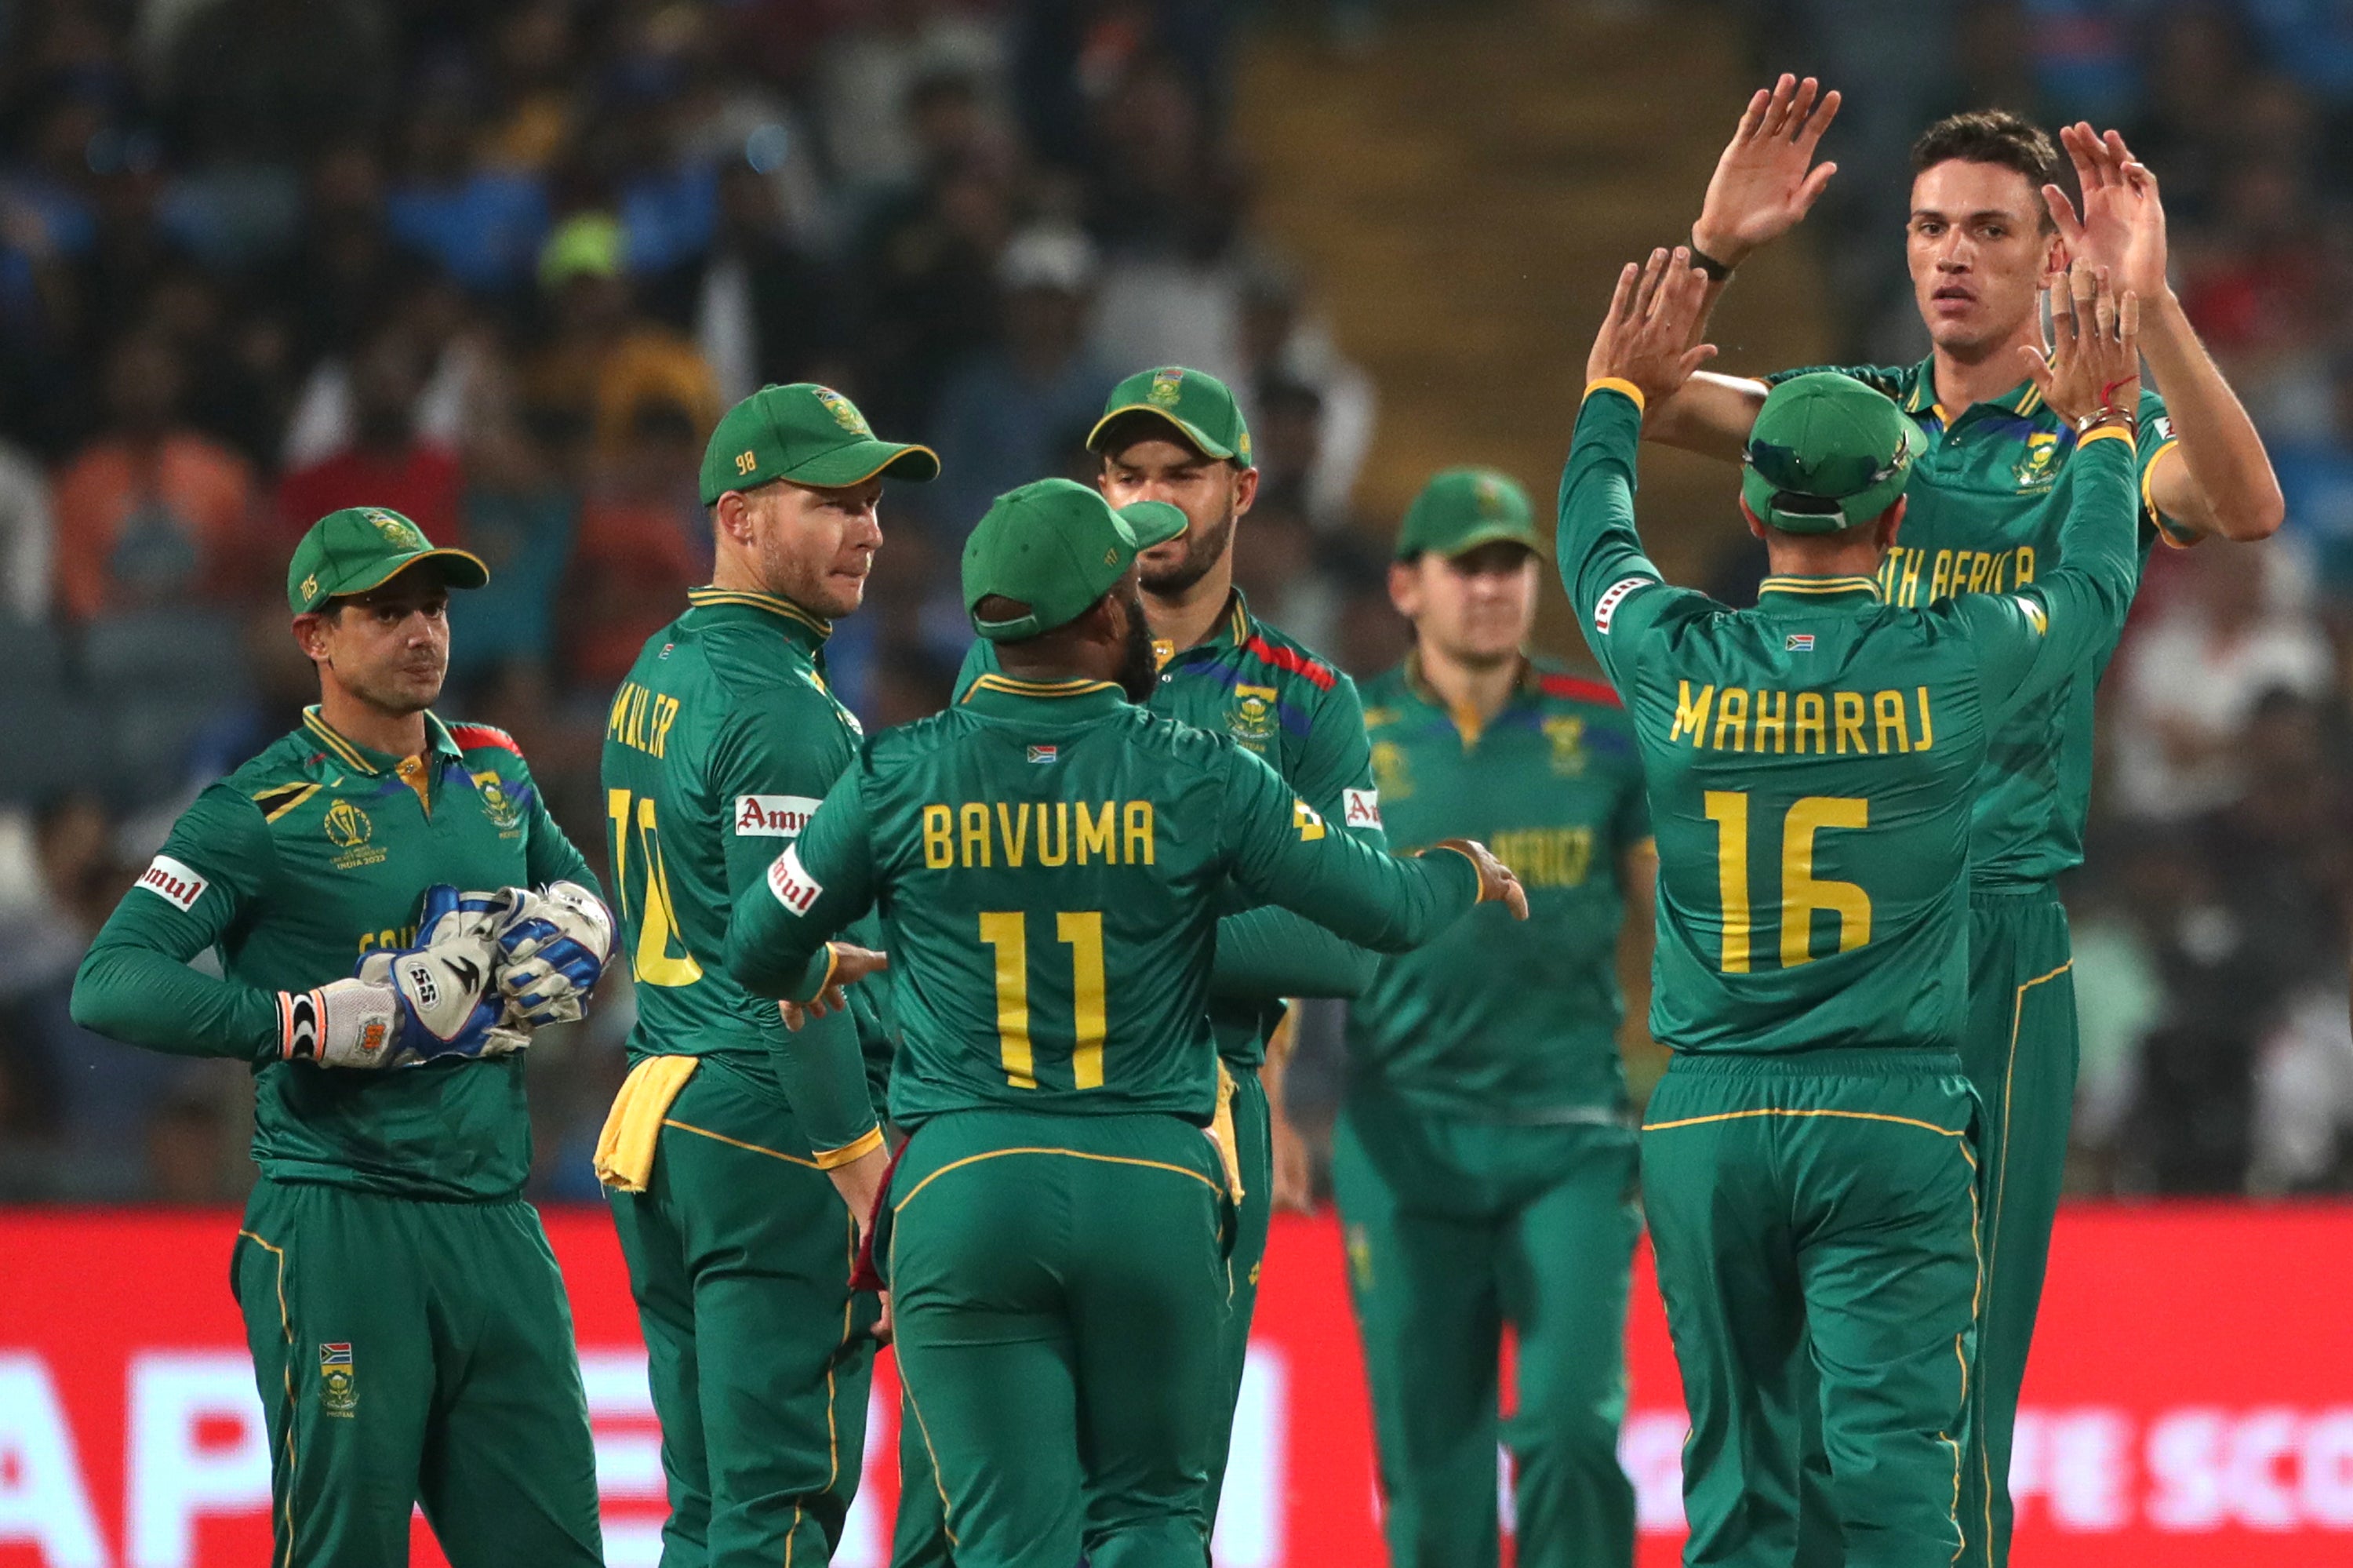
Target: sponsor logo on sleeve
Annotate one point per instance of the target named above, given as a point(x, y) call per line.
point(2034, 616)
point(773, 816)
point(1307, 820)
point(174, 882)
point(2163, 426)
point(795, 888)
point(1605, 608)
point(1364, 808)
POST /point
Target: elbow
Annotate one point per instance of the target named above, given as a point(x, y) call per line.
point(1363, 968)
point(2263, 514)
point(87, 1006)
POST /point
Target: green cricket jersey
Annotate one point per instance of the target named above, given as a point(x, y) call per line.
point(1811, 762)
point(719, 746)
point(294, 868)
point(1276, 699)
point(1501, 1019)
point(1049, 861)
point(1989, 501)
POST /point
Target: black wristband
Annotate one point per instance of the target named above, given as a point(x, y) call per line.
point(1717, 270)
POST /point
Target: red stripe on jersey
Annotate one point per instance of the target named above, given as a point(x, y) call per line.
point(1579, 689)
point(1298, 664)
point(469, 736)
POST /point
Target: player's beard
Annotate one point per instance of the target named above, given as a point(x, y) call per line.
point(807, 583)
point(1139, 668)
point(1203, 547)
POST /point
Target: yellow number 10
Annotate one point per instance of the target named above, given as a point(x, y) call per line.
point(651, 961)
point(1007, 932)
point(1801, 892)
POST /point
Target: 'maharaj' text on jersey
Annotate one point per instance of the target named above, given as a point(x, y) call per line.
point(1811, 763)
point(1987, 501)
point(1500, 1019)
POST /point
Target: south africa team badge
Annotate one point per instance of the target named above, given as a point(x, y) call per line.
point(339, 1391)
point(1251, 716)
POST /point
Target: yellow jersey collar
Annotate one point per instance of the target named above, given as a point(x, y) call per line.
point(367, 760)
point(1796, 590)
point(2021, 399)
point(1232, 628)
point(1001, 694)
point(809, 631)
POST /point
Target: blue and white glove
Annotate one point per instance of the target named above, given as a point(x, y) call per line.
point(446, 988)
point(552, 946)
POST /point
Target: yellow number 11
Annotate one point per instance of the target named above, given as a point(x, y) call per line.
point(1007, 932)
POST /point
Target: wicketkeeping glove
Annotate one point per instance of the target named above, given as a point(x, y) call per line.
point(447, 984)
point(553, 945)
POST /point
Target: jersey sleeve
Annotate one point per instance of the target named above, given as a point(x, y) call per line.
point(1269, 952)
point(777, 946)
point(820, 883)
point(1280, 848)
point(135, 984)
point(1619, 596)
point(2029, 642)
point(2155, 439)
point(776, 759)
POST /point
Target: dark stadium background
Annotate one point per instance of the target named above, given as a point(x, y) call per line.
point(499, 265)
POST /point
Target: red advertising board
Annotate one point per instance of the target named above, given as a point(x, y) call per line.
point(2191, 1402)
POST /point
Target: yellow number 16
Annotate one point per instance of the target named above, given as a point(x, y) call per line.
point(1801, 892)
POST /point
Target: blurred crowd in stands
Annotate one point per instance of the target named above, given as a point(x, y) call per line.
point(500, 265)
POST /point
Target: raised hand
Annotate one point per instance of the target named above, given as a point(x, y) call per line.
point(2122, 226)
point(1643, 338)
point(2094, 360)
point(1766, 180)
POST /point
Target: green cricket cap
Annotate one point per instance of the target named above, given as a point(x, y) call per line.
point(1201, 406)
point(1057, 546)
point(363, 547)
point(808, 434)
point(1826, 454)
point(1463, 508)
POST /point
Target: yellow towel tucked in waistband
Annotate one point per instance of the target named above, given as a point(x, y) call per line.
point(1221, 1132)
point(624, 1149)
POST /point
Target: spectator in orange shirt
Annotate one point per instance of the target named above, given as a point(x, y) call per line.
point(150, 512)
point(386, 464)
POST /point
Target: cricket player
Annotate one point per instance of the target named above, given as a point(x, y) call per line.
point(410, 1334)
point(719, 746)
point(1484, 1154)
point(1177, 436)
point(1049, 859)
point(1808, 1160)
point(1989, 228)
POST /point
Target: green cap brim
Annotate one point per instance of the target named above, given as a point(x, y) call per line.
point(1153, 522)
point(459, 570)
point(1185, 428)
point(1852, 511)
point(861, 461)
point(1490, 534)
